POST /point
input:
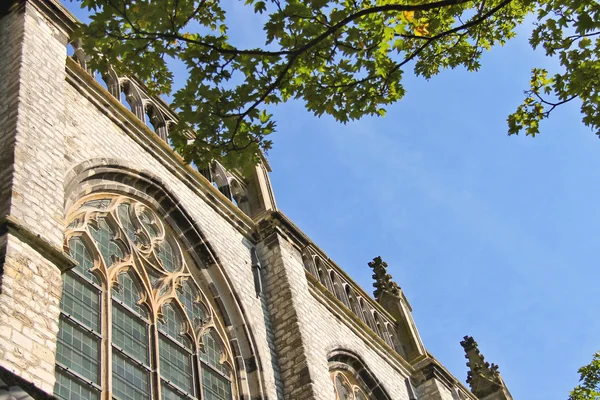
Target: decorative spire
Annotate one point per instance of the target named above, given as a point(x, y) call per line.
point(383, 280)
point(483, 377)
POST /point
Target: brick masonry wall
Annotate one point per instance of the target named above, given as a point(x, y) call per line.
point(37, 196)
point(31, 142)
point(29, 305)
point(286, 289)
point(11, 45)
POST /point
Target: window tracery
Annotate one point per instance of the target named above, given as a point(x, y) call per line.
point(347, 386)
point(134, 321)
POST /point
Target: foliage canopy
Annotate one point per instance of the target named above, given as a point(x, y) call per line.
point(345, 58)
point(589, 381)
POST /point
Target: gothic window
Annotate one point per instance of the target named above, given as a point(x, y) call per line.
point(134, 321)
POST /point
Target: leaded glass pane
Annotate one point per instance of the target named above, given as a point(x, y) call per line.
point(214, 386)
point(85, 262)
point(82, 320)
point(104, 236)
point(188, 296)
point(172, 324)
point(78, 350)
point(148, 224)
point(176, 365)
point(129, 292)
point(212, 352)
point(130, 381)
point(343, 389)
point(81, 300)
point(69, 387)
point(75, 223)
point(130, 333)
point(126, 222)
point(167, 256)
point(100, 203)
point(169, 394)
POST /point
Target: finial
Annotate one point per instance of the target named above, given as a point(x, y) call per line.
point(383, 280)
point(483, 377)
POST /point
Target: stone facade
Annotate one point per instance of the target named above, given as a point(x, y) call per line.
point(292, 316)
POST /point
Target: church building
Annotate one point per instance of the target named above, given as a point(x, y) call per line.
point(127, 274)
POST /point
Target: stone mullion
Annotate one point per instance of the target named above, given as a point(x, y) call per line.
point(197, 373)
point(106, 357)
point(154, 357)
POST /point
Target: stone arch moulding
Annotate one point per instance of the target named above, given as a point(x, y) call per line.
point(117, 177)
point(340, 359)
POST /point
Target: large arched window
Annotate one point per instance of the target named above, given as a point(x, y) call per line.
point(135, 323)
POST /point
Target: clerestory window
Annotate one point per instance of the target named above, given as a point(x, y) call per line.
point(134, 321)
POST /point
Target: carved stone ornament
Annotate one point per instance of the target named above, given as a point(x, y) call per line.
point(383, 280)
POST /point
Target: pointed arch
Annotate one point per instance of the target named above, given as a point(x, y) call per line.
point(173, 323)
point(381, 329)
point(128, 289)
point(134, 98)
point(353, 368)
point(219, 178)
point(353, 301)
point(157, 119)
point(112, 82)
point(79, 55)
point(338, 289)
point(367, 314)
point(323, 275)
point(309, 263)
point(239, 194)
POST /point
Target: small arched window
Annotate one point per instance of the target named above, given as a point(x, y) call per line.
point(352, 380)
point(134, 320)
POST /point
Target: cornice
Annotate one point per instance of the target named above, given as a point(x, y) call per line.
point(14, 227)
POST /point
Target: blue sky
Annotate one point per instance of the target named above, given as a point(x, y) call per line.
point(488, 235)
